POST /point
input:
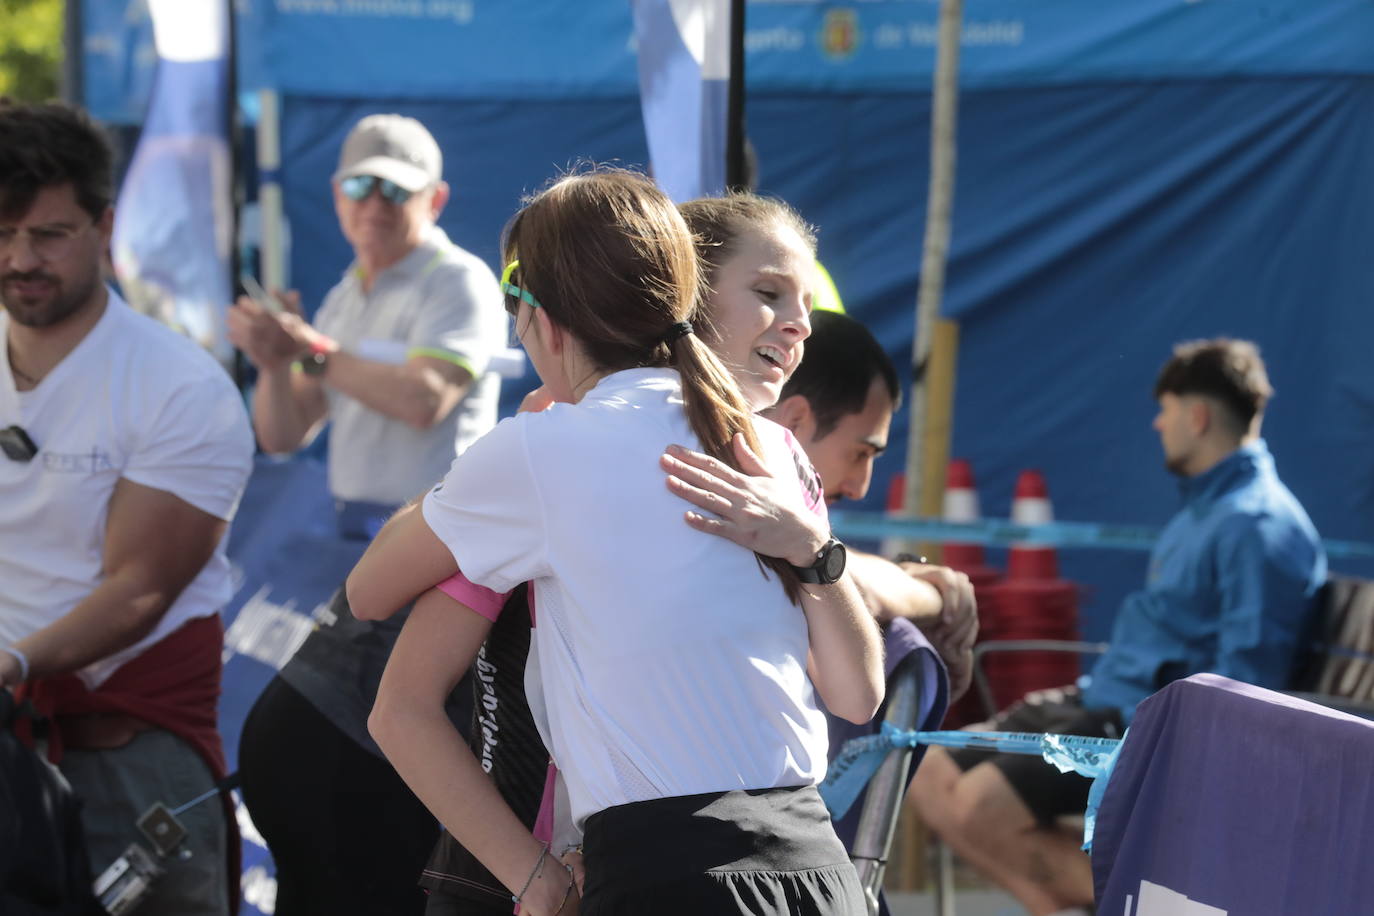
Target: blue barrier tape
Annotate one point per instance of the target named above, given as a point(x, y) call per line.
point(1003, 532)
point(860, 758)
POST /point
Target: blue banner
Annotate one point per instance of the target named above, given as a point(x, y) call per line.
point(174, 217)
point(550, 48)
point(484, 48)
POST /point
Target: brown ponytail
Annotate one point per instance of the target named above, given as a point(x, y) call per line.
point(716, 411)
point(610, 259)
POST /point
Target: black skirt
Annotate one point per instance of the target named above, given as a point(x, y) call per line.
point(765, 852)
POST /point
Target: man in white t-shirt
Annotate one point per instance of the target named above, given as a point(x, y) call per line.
point(126, 449)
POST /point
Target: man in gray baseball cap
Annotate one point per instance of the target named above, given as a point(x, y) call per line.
point(397, 360)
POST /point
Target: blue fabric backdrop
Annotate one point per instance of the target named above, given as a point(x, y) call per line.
point(1094, 227)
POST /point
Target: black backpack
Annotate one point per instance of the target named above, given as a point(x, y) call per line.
point(44, 868)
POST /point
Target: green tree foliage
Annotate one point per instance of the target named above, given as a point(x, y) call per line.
point(30, 48)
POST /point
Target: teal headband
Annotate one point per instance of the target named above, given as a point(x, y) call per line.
point(510, 289)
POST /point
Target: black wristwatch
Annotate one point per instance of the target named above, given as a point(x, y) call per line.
point(314, 363)
point(829, 565)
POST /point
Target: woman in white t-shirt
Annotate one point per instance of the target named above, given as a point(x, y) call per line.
point(674, 670)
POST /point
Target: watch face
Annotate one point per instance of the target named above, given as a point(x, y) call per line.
point(314, 364)
point(834, 562)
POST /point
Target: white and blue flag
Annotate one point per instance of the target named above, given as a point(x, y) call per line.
point(684, 76)
point(174, 216)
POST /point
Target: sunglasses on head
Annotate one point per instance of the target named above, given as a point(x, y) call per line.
point(514, 293)
point(358, 187)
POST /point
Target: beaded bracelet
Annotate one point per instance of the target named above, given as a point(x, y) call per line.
point(535, 872)
point(572, 882)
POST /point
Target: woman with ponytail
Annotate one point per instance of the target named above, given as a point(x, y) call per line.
point(674, 665)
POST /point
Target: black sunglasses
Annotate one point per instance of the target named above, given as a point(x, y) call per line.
point(358, 187)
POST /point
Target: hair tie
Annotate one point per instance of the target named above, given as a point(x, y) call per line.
point(677, 331)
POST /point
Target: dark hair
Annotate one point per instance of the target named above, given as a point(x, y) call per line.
point(609, 258)
point(52, 144)
point(841, 362)
point(1228, 371)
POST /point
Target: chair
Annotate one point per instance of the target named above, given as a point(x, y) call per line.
point(980, 677)
point(883, 804)
point(1337, 667)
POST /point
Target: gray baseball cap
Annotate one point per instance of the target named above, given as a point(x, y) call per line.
point(393, 147)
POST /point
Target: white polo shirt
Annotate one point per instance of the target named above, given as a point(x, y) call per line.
point(440, 301)
point(133, 400)
point(670, 664)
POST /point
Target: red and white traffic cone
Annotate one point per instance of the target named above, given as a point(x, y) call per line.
point(1032, 603)
point(896, 496)
point(1031, 506)
point(961, 505)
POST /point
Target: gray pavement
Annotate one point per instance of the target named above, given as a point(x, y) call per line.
point(966, 903)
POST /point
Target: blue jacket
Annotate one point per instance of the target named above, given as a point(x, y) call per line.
point(1233, 583)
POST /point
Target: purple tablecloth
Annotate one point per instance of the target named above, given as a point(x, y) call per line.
point(1230, 799)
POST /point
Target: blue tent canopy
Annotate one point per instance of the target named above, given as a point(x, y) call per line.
point(481, 49)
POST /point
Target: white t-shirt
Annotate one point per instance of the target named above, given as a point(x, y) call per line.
point(440, 301)
point(133, 400)
point(670, 664)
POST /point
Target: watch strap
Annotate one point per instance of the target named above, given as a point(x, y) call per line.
point(815, 574)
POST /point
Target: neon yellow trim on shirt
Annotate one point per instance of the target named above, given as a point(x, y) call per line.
point(447, 356)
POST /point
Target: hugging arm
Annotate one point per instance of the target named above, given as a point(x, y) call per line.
point(403, 560)
point(438, 643)
point(846, 663)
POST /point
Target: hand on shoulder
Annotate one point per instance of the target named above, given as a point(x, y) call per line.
point(751, 506)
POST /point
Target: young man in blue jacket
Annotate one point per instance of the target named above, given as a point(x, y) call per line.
point(1232, 584)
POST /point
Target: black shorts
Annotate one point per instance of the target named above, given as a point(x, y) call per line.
point(1048, 793)
point(763, 852)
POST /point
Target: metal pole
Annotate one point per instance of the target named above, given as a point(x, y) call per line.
point(232, 131)
point(73, 44)
point(272, 253)
point(883, 802)
point(921, 497)
point(734, 110)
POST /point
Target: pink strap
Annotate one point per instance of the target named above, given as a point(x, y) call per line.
point(482, 600)
point(543, 823)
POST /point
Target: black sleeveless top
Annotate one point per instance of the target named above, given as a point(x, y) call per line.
point(505, 742)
